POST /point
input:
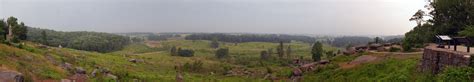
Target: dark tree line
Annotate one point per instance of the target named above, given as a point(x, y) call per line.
point(90, 41)
point(350, 40)
point(160, 37)
point(250, 38)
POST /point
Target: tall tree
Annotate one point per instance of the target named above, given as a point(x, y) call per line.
point(3, 29)
point(11, 23)
point(173, 51)
point(288, 52)
point(418, 17)
point(280, 50)
point(214, 43)
point(44, 37)
point(264, 55)
point(377, 40)
point(317, 51)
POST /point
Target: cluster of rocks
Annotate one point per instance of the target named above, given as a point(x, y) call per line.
point(80, 74)
point(371, 47)
point(435, 59)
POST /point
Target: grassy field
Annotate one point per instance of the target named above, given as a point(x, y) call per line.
point(158, 64)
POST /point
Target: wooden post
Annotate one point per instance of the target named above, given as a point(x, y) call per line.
point(455, 47)
point(449, 45)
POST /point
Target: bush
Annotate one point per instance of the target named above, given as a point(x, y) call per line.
point(222, 52)
point(196, 66)
point(394, 49)
point(185, 53)
point(456, 74)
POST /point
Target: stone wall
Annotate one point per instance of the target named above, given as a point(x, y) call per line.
point(435, 59)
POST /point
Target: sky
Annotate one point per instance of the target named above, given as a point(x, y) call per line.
point(324, 17)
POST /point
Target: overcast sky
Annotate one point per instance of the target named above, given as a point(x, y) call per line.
point(328, 17)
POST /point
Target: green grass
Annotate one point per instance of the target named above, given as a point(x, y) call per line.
point(159, 65)
point(390, 69)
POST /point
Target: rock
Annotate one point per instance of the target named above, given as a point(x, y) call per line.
point(94, 72)
point(80, 70)
point(324, 62)
point(67, 66)
point(136, 60)
point(112, 76)
point(41, 46)
point(11, 76)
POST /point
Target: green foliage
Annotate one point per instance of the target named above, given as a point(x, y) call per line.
point(264, 55)
point(185, 53)
point(448, 17)
point(222, 53)
point(418, 36)
point(456, 74)
point(394, 49)
point(91, 41)
point(317, 51)
point(215, 43)
point(173, 51)
point(288, 52)
point(387, 70)
point(280, 50)
point(196, 66)
point(330, 54)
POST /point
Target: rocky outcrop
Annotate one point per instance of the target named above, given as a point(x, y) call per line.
point(11, 76)
point(435, 59)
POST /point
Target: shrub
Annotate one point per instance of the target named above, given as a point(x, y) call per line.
point(185, 53)
point(222, 52)
point(196, 66)
point(456, 74)
point(394, 49)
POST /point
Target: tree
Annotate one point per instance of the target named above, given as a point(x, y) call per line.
point(214, 43)
point(3, 29)
point(44, 37)
point(173, 51)
point(317, 51)
point(378, 40)
point(264, 55)
point(20, 31)
point(288, 52)
point(185, 52)
point(418, 17)
point(330, 54)
point(280, 50)
point(11, 23)
point(222, 52)
point(270, 52)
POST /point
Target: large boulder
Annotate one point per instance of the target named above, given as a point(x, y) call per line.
point(11, 76)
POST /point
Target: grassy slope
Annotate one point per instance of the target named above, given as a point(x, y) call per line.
point(159, 65)
point(393, 68)
point(45, 63)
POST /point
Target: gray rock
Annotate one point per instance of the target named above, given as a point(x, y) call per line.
point(80, 70)
point(11, 76)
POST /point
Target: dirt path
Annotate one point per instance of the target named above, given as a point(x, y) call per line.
point(359, 60)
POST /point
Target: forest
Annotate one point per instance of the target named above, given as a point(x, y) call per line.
point(275, 38)
point(82, 40)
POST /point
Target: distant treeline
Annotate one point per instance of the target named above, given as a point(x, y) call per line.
point(90, 41)
point(361, 40)
point(250, 37)
point(350, 40)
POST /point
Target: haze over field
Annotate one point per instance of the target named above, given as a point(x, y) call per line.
point(340, 17)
